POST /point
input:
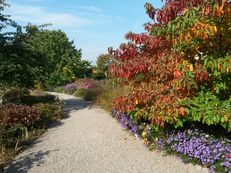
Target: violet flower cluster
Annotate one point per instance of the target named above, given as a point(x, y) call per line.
point(126, 122)
point(81, 84)
point(211, 152)
point(70, 88)
point(87, 84)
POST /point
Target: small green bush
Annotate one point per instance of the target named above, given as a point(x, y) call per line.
point(50, 111)
point(32, 100)
point(88, 94)
point(208, 109)
point(1, 93)
point(10, 136)
point(14, 95)
point(110, 89)
point(24, 117)
point(21, 124)
point(91, 94)
point(80, 93)
point(37, 92)
point(59, 89)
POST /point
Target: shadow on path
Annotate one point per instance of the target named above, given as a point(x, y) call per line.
point(74, 104)
point(24, 163)
point(70, 104)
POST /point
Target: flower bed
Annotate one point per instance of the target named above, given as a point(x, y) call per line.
point(192, 144)
point(70, 88)
point(87, 84)
point(86, 88)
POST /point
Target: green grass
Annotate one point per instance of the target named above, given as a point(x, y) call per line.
point(110, 89)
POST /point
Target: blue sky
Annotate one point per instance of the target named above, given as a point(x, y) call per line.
point(94, 25)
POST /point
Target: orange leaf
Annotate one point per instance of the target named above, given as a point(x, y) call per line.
point(182, 111)
point(177, 74)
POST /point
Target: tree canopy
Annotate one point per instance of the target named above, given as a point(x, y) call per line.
point(103, 62)
point(36, 56)
point(63, 60)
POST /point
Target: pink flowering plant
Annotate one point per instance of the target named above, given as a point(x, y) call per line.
point(87, 83)
point(70, 88)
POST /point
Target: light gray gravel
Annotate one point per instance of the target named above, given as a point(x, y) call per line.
point(89, 140)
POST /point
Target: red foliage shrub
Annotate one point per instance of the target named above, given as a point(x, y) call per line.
point(160, 67)
point(12, 115)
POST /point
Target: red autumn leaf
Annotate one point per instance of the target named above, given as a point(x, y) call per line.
point(177, 74)
point(219, 67)
point(182, 111)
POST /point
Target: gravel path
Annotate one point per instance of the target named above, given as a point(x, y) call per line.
point(88, 140)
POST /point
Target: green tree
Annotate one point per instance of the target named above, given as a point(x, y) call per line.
point(5, 21)
point(18, 65)
point(34, 55)
point(64, 62)
point(103, 62)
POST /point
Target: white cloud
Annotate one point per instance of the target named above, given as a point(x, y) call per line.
point(86, 16)
point(75, 23)
point(40, 15)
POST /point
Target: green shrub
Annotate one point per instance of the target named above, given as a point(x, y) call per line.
point(37, 92)
point(110, 90)
point(10, 136)
point(208, 109)
point(25, 119)
point(59, 89)
point(98, 76)
point(1, 93)
point(80, 93)
point(20, 124)
point(14, 95)
point(88, 94)
point(32, 100)
point(21, 96)
point(50, 111)
point(92, 94)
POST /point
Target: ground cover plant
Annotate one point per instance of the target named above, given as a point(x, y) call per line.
point(193, 143)
point(179, 72)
